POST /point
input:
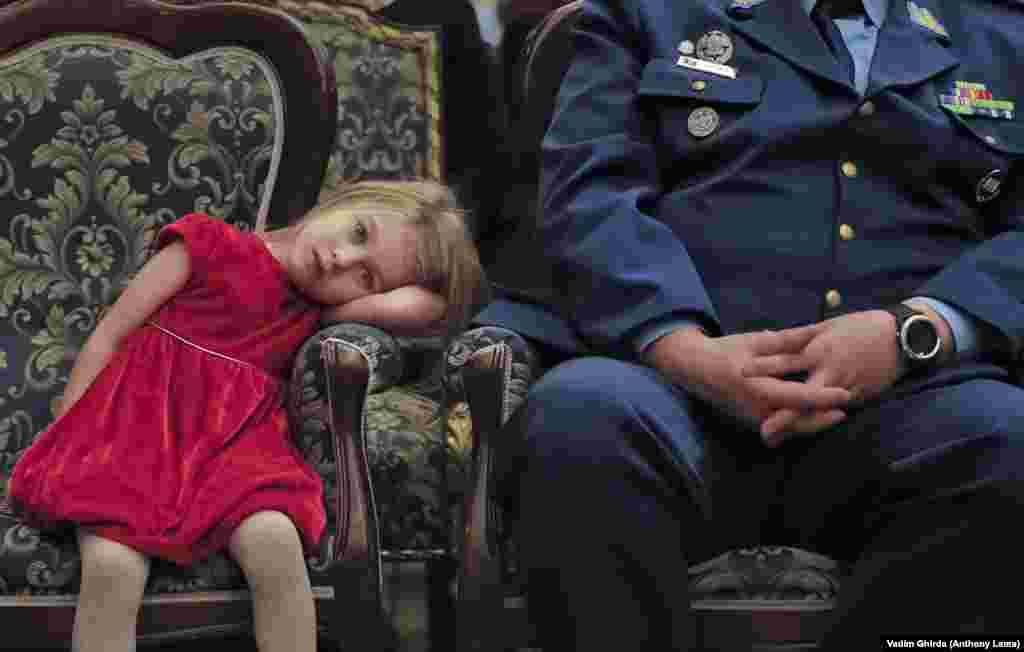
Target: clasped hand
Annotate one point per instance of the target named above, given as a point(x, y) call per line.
point(847, 359)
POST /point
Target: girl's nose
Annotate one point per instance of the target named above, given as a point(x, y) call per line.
point(341, 258)
point(329, 258)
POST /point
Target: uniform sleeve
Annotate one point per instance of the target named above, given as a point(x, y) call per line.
point(617, 267)
point(201, 234)
point(987, 282)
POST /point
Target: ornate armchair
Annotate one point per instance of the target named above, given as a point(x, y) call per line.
point(420, 109)
point(116, 117)
point(775, 598)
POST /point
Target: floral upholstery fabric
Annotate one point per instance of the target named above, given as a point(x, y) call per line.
point(388, 99)
point(389, 89)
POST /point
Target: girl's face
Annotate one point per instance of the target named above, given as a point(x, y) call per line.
point(341, 257)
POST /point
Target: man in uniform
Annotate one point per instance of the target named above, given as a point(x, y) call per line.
point(793, 235)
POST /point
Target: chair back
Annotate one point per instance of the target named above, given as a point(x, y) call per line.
point(116, 118)
point(546, 54)
point(389, 123)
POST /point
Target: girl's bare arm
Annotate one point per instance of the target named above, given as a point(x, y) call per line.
point(408, 310)
point(158, 280)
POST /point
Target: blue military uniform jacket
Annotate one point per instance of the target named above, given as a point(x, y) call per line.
point(781, 196)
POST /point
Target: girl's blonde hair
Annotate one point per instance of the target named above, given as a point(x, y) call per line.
point(446, 258)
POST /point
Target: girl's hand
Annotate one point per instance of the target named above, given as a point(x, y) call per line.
point(407, 310)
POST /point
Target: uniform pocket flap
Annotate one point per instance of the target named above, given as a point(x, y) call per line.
point(1004, 136)
point(663, 78)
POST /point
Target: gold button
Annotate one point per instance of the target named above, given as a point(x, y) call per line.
point(698, 84)
point(846, 232)
point(849, 169)
point(867, 109)
point(833, 298)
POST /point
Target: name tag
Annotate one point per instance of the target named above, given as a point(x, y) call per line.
point(711, 67)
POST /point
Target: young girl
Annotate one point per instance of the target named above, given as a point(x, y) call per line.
point(172, 440)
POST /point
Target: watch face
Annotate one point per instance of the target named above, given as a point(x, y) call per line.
point(921, 338)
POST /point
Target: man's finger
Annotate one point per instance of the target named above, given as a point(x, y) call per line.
point(799, 396)
point(776, 424)
point(817, 421)
point(776, 365)
point(790, 340)
point(824, 376)
point(785, 423)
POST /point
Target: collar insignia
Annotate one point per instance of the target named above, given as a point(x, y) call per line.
point(926, 19)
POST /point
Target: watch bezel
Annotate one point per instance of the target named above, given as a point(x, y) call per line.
point(904, 331)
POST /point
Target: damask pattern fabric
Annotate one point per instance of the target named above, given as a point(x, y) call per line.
point(389, 91)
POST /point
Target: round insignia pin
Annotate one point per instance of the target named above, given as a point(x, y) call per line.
point(686, 47)
point(989, 186)
point(702, 122)
point(715, 46)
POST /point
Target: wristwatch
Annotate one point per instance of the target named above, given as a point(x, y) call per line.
point(917, 336)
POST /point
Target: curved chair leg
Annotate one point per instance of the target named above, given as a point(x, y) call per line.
point(480, 600)
point(357, 618)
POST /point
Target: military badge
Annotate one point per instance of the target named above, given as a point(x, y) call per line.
point(715, 46)
point(743, 8)
point(702, 122)
point(972, 98)
point(989, 186)
point(926, 19)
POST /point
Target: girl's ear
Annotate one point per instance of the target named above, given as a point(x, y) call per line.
point(408, 310)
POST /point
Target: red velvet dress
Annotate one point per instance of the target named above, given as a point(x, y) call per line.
point(185, 433)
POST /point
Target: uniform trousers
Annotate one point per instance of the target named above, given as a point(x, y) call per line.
point(616, 481)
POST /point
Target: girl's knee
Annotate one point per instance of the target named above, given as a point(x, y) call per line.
point(267, 531)
point(268, 548)
point(263, 525)
point(105, 560)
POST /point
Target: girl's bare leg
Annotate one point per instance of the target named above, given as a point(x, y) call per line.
point(113, 580)
point(268, 548)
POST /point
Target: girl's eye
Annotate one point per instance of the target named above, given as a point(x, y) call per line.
point(359, 232)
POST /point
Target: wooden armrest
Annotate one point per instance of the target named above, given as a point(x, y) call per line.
point(356, 563)
point(348, 380)
point(492, 368)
